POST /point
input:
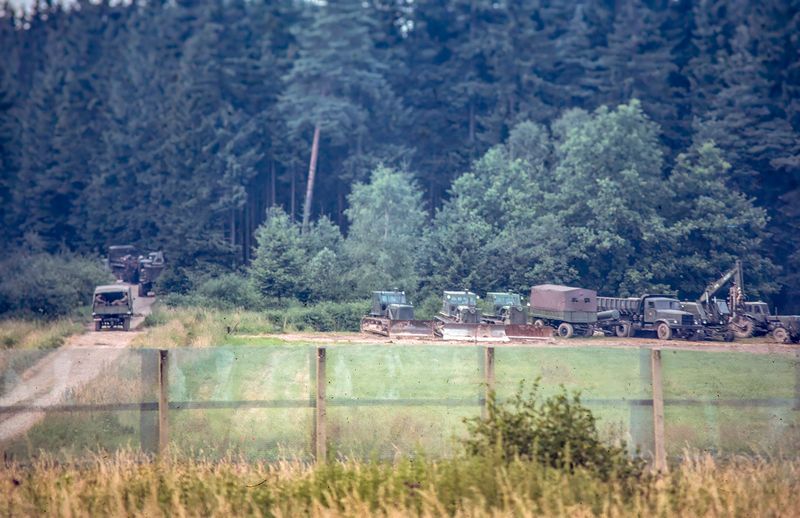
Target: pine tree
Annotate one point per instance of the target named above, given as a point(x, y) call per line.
point(277, 269)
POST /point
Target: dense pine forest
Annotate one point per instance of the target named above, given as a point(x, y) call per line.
point(332, 148)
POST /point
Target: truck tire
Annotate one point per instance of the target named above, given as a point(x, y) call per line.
point(623, 330)
point(565, 330)
point(780, 335)
point(743, 328)
point(664, 332)
point(538, 322)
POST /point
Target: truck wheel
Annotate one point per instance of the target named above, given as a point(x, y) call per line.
point(664, 331)
point(97, 325)
point(538, 322)
point(697, 336)
point(126, 324)
point(743, 328)
point(623, 330)
point(780, 335)
point(565, 330)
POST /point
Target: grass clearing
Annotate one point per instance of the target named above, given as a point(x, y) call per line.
point(125, 484)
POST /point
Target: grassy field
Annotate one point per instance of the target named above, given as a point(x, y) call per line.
point(125, 484)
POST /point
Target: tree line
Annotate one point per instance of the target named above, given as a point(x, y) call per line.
point(622, 145)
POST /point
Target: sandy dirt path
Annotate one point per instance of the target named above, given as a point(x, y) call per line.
point(66, 369)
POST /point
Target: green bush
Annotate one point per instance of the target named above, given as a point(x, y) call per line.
point(558, 432)
point(325, 316)
point(230, 290)
point(49, 285)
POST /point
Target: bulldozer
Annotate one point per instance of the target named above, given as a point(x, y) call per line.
point(393, 316)
point(507, 309)
point(460, 319)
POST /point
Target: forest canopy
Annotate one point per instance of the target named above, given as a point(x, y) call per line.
point(621, 146)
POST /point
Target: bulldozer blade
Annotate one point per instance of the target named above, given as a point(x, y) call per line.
point(378, 326)
point(473, 332)
point(525, 331)
point(410, 329)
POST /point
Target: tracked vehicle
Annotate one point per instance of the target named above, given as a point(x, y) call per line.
point(393, 316)
point(460, 319)
point(507, 309)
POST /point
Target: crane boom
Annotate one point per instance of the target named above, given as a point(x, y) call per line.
point(714, 287)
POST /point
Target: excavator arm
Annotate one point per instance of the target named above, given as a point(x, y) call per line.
point(734, 273)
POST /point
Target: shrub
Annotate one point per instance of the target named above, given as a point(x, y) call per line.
point(230, 290)
point(558, 432)
point(325, 316)
point(49, 285)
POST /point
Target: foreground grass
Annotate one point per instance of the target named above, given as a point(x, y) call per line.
point(125, 484)
point(37, 334)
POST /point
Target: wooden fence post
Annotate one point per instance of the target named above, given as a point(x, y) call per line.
point(148, 420)
point(320, 437)
point(163, 400)
point(659, 446)
point(641, 417)
point(488, 377)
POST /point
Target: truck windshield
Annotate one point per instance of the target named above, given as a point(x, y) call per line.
point(506, 299)
point(393, 298)
point(667, 304)
point(462, 300)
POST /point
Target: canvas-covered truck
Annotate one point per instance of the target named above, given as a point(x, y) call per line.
point(659, 313)
point(569, 310)
point(112, 307)
point(392, 315)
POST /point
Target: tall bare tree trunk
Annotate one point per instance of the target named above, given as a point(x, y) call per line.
point(312, 172)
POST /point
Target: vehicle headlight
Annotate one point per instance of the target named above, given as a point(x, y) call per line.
point(673, 321)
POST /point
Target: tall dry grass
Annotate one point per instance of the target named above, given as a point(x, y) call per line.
point(35, 334)
point(125, 484)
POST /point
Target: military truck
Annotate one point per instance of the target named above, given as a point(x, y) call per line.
point(659, 313)
point(123, 260)
point(112, 307)
point(393, 316)
point(715, 323)
point(150, 268)
point(459, 319)
point(566, 309)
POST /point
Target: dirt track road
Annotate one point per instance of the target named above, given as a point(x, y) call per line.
point(66, 369)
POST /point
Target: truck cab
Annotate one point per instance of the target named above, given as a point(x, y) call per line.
point(460, 306)
point(112, 307)
point(392, 305)
point(665, 314)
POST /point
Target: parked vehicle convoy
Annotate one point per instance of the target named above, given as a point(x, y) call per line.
point(459, 319)
point(393, 316)
point(569, 310)
point(112, 307)
point(659, 313)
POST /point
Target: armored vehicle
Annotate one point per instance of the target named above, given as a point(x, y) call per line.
point(659, 313)
point(393, 316)
point(112, 307)
point(567, 309)
point(150, 268)
point(460, 319)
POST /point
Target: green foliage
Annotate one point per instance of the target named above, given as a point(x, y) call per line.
point(557, 431)
point(324, 317)
point(49, 285)
point(278, 265)
point(230, 290)
point(386, 219)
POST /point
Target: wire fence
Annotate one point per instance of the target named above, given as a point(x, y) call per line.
point(365, 401)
